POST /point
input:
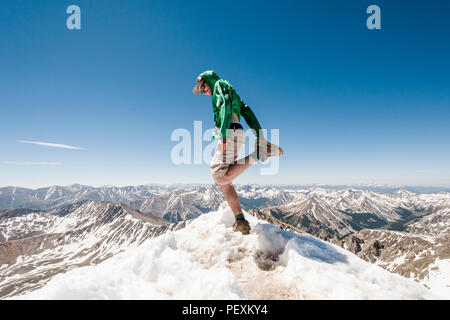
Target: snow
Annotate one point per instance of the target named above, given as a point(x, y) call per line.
point(207, 260)
point(439, 278)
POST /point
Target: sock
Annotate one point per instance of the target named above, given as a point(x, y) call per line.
point(240, 216)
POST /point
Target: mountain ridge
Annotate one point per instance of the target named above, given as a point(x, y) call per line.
point(207, 260)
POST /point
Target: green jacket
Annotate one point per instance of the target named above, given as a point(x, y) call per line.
point(225, 102)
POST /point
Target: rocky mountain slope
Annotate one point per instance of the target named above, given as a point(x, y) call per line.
point(421, 252)
point(36, 245)
point(181, 204)
point(344, 212)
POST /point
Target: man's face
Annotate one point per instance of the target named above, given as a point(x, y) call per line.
point(204, 88)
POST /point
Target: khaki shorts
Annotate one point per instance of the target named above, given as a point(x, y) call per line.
point(222, 160)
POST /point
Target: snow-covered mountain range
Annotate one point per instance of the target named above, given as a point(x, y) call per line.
point(207, 260)
point(342, 211)
point(59, 196)
point(176, 200)
point(48, 231)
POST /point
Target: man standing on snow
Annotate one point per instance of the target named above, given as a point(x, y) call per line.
point(227, 109)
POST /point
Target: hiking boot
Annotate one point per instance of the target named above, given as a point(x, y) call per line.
point(267, 149)
point(241, 225)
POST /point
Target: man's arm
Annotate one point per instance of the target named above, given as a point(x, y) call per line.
point(247, 113)
point(224, 105)
point(251, 119)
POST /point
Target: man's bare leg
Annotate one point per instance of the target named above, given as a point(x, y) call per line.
point(232, 198)
point(228, 190)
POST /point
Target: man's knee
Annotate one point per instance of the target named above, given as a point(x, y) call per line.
point(222, 182)
point(219, 174)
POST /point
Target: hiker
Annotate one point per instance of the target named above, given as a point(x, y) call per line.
point(227, 109)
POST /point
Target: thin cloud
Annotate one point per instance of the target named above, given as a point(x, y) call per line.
point(53, 145)
point(30, 163)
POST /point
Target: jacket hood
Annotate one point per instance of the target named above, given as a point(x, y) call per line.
point(210, 78)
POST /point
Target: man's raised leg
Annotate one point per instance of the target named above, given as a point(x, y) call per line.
point(236, 169)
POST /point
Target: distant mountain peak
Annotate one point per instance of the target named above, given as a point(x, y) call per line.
point(404, 191)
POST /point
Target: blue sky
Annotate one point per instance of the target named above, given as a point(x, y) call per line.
point(352, 105)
